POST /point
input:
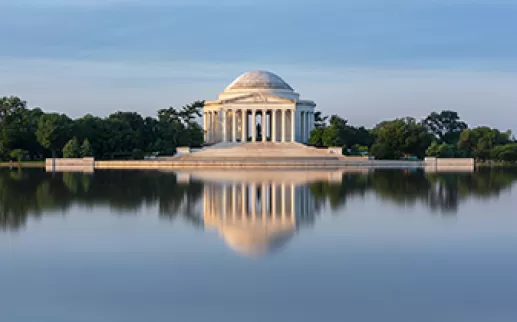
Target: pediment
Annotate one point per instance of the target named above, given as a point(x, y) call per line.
point(257, 98)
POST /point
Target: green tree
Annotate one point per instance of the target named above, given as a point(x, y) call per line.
point(179, 127)
point(331, 136)
point(335, 132)
point(446, 150)
point(443, 150)
point(17, 127)
point(479, 142)
point(507, 152)
point(320, 121)
point(340, 133)
point(433, 149)
point(362, 137)
point(86, 149)
point(130, 126)
point(138, 154)
point(445, 126)
point(72, 149)
point(9, 106)
point(18, 154)
point(190, 112)
point(53, 131)
point(316, 137)
point(95, 130)
point(394, 139)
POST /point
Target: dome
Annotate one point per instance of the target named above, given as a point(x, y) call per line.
point(259, 80)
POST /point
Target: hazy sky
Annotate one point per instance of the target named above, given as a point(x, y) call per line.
point(366, 60)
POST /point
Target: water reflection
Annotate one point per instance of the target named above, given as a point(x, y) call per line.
point(34, 193)
point(440, 192)
point(270, 204)
point(255, 218)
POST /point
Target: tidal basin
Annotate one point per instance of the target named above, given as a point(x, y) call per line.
point(353, 245)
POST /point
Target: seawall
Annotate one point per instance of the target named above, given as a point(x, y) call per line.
point(70, 165)
point(252, 164)
point(89, 164)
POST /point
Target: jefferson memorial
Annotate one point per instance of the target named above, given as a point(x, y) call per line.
point(258, 106)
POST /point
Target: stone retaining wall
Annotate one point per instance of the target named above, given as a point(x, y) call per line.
point(89, 164)
point(450, 162)
point(253, 164)
point(70, 165)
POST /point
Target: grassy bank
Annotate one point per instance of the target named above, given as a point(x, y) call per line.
point(24, 164)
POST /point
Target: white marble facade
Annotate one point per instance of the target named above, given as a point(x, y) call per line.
point(262, 98)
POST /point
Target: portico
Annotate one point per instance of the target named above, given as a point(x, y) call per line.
point(258, 106)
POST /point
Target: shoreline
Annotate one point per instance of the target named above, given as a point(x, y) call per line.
point(29, 164)
point(150, 165)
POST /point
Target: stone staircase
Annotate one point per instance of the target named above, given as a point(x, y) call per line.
point(259, 151)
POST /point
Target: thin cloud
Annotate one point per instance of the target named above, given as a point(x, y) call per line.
point(362, 95)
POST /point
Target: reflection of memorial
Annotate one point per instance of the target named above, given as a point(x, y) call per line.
point(257, 217)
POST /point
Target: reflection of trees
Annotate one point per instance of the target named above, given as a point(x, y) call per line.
point(338, 193)
point(441, 192)
point(32, 191)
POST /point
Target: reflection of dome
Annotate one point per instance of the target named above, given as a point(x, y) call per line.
point(256, 240)
point(259, 80)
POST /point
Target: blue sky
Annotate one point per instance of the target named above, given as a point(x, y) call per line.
point(365, 60)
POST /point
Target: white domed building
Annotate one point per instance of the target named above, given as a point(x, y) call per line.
point(258, 106)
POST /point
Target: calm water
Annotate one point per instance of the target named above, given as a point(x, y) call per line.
point(152, 246)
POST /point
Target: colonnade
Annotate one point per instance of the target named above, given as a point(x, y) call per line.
point(240, 125)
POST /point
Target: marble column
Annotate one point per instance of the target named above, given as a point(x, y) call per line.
point(244, 127)
point(207, 126)
point(264, 125)
point(305, 127)
point(293, 125)
point(302, 126)
point(204, 127)
point(225, 125)
point(283, 126)
point(310, 120)
point(273, 126)
point(211, 126)
point(234, 125)
point(253, 125)
point(215, 127)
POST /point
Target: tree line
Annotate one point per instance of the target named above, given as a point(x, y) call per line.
point(441, 134)
point(32, 134)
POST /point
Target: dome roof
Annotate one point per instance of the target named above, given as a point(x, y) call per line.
point(259, 80)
